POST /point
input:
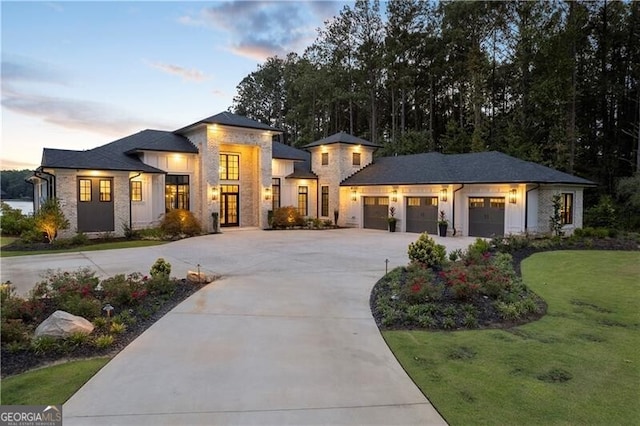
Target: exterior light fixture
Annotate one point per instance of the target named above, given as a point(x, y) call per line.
point(214, 193)
point(512, 196)
point(354, 193)
point(267, 194)
point(443, 194)
point(394, 195)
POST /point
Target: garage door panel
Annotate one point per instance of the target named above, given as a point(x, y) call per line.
point(486, 216)
point(376, 211)
point(422, 214)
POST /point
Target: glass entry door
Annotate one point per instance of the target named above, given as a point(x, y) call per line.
point(229, 205)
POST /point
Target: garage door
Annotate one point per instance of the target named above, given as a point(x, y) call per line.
point(376, 211)
point(486, 216)
point(422, 214)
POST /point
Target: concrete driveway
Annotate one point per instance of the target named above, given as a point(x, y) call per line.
point(285, 337)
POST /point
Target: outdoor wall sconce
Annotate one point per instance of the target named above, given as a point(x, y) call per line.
point(214, 193)
point(512, 196)
point(443, 194)
point(267, 194)
point(354, 193)
point(394, 195)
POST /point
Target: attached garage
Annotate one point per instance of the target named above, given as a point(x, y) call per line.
point(376, 211)
point(422, 214)
point(486, 216)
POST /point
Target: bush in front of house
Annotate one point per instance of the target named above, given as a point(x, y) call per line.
point(426, 252)
point(13, 222)
point(180, 222)
point(50, 219)
point(287, 217)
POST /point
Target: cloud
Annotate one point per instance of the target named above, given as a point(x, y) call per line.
point(186, 74)
point(74, 114)
point(23, 69)
point(259, 29)
point(8, 164)
point(54, 6)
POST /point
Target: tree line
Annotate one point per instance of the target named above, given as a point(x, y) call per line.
point(14, 186)
point(555, 82)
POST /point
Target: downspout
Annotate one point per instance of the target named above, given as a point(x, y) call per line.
point(33, 192)
point(526, 207)
point(52, 183)
point(453, 210)
point(130, 202)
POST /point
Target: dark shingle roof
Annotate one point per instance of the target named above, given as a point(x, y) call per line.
point(120, 154)
point(286, 152)
point(229, 119)
point(480, 167)
point(342, 137)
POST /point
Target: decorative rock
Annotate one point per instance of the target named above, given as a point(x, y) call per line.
point(61, 324)
point(198, 277)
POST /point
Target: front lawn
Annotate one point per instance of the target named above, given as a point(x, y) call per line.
point(50, 385)
point(89, 247)
point(579, 364)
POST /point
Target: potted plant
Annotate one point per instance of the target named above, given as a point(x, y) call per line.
point(443, 223)
point(392, 220)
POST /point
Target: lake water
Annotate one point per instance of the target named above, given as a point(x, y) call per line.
point(25, 206)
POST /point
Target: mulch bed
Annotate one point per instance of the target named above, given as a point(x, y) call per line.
point(26, 359)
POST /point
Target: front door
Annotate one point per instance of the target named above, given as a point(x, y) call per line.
point(229, 205)
point(95, 204)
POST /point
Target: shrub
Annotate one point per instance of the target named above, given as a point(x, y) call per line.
point(287, 217)
point(426, 252)
point(117, 328)
point(60, 285)
point(13, 222)
point(555, 220)
point(510, 243)
point(100, 323)
point(456, 254)
point(129, 233)
point(420, 286)
point(75, 304)
point(327, 223)
point(118, 290)
point(150, 234)
point(14, 331)
point(477, 252)
point(80, 239)
point(78, 338)
point(602, 215)
point(504, 263)
point(44, 344)
point(160, 268)
point(456, 277)
point(180, 222)
point(32, 236)
point(160, 284)
point(50, 219)
point(104, 341)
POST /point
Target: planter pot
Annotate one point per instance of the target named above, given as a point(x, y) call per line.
point(392, 226)
point(442, 230)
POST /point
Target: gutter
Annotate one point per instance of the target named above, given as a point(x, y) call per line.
point(130, 202)
point(453, 210)
point(526, 206)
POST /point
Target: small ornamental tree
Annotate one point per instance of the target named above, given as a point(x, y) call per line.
point(426, 252)
point(555, 220)
point(50, 219)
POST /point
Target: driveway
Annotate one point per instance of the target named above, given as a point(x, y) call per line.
point(285, 337)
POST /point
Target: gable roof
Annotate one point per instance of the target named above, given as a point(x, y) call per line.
point(227, 118)
point(120, 154)
point(478, 167)
point(342, 137)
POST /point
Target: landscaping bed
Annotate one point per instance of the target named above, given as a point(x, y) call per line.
point(138, 302)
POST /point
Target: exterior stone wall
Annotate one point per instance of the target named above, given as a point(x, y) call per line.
point(545, 207)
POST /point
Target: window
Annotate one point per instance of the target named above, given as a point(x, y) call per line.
point(105, 190)
point(325, 158)
point(496, 203)
point(413, 202)
point(229, 167)
point(275, 191)
point(355, 160)
point(136, 190)
point(85, 190)
point(566, 211)
point(476, 202)
point(324, 211)
point(176, 192)
point(303, 194)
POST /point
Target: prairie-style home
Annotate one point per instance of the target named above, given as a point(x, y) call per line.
point(232, 167)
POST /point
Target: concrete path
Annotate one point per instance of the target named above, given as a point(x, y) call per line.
point(285, 337)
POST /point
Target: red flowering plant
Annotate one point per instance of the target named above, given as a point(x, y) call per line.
point(420, 285)
point(460, 281)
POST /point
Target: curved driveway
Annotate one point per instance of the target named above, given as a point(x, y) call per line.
point(285, 337)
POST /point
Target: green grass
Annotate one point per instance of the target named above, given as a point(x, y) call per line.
point(590, 336)
point(89, 247)
point(6, 240)
point(49, 385)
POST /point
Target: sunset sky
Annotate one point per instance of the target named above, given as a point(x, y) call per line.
point(76, 75)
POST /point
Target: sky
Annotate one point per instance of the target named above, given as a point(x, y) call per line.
point(76, 75)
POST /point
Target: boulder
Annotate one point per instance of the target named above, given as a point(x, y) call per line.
point(198, 277)
point(61, 324)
